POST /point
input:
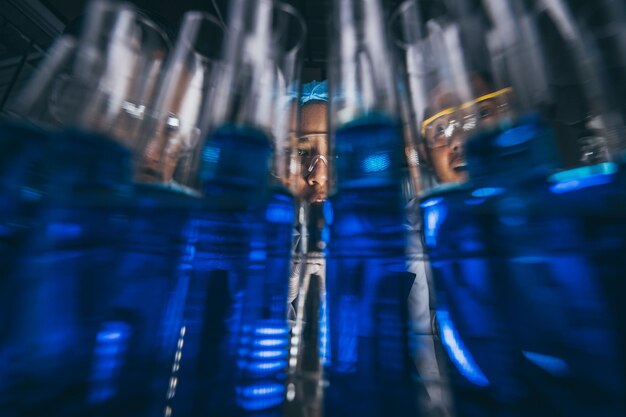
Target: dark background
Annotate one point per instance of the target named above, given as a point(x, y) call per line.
point(28, 27)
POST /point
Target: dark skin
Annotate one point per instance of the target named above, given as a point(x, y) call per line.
point(312, 184)
point(448, 161)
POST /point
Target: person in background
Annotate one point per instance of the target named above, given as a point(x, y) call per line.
point(311, 182)
point(308, 273)
point(312, 190)
point(446, 125)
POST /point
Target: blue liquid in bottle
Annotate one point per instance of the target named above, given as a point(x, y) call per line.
point(565, 245)
point(21, 190)
point(61, 286)
point(368, 366)
point(236, 334)
point(468, 257)
point(562, 236)
point(535, 259)
point(152, 276)
point(22, 187)
point(468, 265)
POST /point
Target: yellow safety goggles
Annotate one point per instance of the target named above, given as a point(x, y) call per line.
point(466, 105)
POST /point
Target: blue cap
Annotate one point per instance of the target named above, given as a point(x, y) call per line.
point(315, 90)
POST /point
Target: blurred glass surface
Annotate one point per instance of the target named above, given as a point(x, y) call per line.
point(236, 341)
point(518, 135)
point(165, 294)
point(171, 134)
point(61, 285)
point(368, 362)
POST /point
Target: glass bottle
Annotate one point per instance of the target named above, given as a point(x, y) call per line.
point(368, 363)
point(518, 138)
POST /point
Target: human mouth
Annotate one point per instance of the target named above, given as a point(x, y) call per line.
point(317, 197)
point(459, 166)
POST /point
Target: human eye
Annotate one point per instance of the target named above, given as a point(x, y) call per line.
point(439, 128)
point(485, 111)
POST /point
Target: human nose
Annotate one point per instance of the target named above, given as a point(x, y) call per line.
point(455, 140)
point(455, 135)
point(317, 171)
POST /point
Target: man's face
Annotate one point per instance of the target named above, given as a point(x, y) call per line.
point(443, 140)
point(451, 122)
point(313, 152)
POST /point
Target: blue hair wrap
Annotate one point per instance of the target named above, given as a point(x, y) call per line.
point(315, 90)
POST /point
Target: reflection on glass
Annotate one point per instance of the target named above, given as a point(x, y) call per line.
point(63, 281)
point(367, 362)
point(172, 133)
point(515, 124)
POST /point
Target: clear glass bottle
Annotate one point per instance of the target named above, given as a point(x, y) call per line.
point(63, 283)
point(236, 334)
point(518, 137)
point(155, 258)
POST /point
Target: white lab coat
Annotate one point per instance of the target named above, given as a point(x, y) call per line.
point(424, 342)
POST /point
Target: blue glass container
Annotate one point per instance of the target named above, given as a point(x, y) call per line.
point(368, 365)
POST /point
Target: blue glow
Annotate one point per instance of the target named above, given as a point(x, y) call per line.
point(271, 331)
point(434, 215)
point(471, 245)
point(261, 390)
point(516, 135)
point(583, 177)
point(211, 154)
point(265, 350)
point(554, 365)
point(327, 209)
point(108, 336)
point(487, 191)
point(270, 342)
point(265, 367)
point(573, 185)
point(261, 396)
point(606, 168)
point(268, 354)
point(279, 213)
point(258, 255)
point(351, 224)
point(324, 352)
point(375, 163)
point(457, 351)
point(109, 357)
point(431, 202)
point(474, 201)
